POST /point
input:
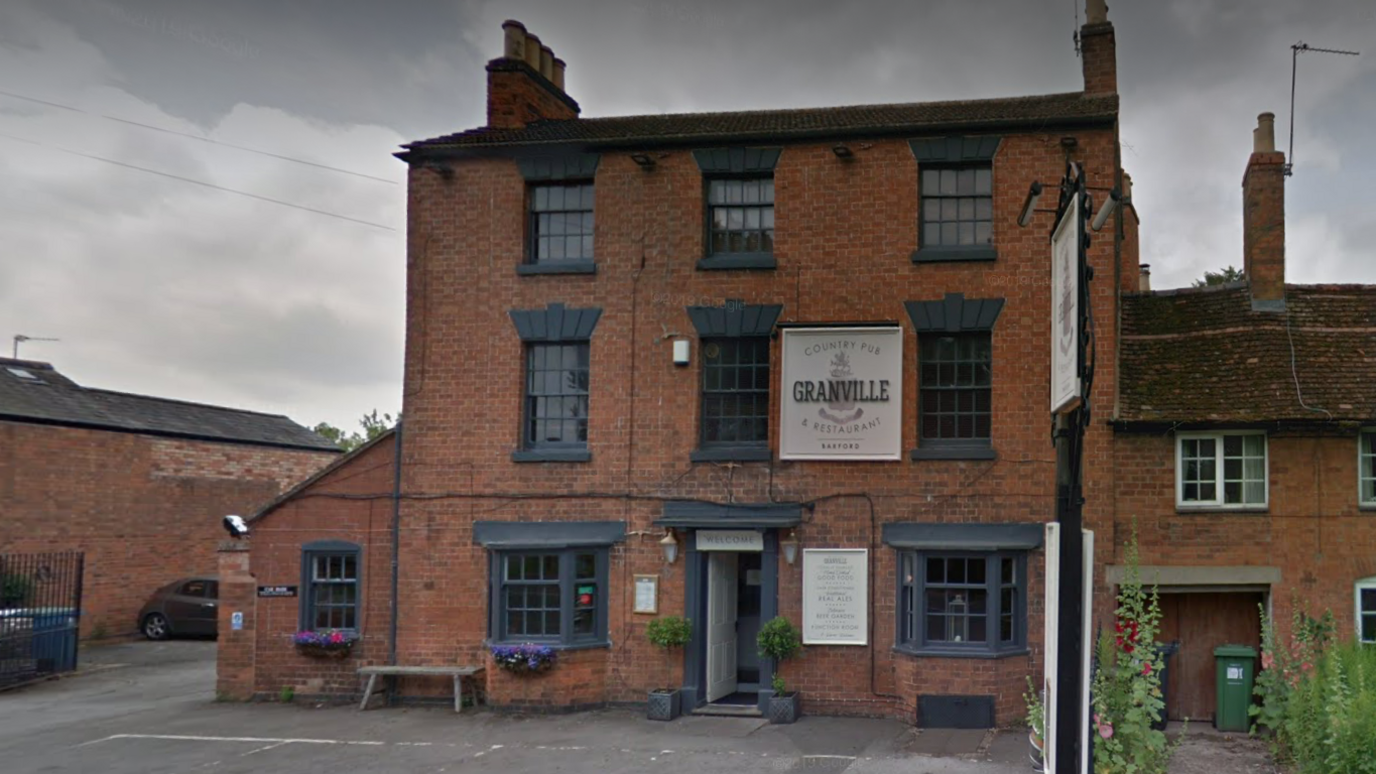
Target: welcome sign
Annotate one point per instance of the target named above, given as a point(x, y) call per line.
point(842, 394)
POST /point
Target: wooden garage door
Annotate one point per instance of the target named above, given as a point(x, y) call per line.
point(1202, 622)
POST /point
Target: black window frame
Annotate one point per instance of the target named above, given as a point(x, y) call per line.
point(762, 345)
point(568, 581)
point(953, 316)
point(555, 324)
point(738, 259)
point(935, 198)
point(926, 365)
point(587, 257)
point(329, 549)
point(910, 632)
point(956, 154)
point(583, 363)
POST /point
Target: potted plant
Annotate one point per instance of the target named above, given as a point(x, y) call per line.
point(1036, 723)
point(527, 659)
point(667, 633)
point(779, 641)
point(326, 643)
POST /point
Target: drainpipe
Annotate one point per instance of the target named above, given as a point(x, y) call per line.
point(396, 547)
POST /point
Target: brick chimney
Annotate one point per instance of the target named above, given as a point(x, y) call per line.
point(1098, 51)
point(526, 84)
point(1263, 218)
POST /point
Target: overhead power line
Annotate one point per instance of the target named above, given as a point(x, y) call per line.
point(201, 183)
point(190, 136)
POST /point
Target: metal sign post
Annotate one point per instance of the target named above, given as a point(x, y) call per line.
point(1071, 415)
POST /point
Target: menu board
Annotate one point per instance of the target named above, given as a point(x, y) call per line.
point(835, 596)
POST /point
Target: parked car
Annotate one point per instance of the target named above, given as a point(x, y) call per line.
point(189, 606)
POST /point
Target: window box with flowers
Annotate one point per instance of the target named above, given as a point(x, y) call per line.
point(326, 643)
point(526, 659)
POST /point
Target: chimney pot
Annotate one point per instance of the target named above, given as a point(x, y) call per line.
point(533, 51)
point(559, 66)
point(515, 44)
point(1264, 136)
point(1096, 12)
point(547, 63)
point(1144, 278)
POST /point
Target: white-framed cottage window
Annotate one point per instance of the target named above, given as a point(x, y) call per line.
point(1221, 470)
point(1366, 467)
point(1366, 610)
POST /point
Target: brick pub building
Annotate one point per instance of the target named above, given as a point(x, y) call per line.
point(598, 312)
point(138, 484)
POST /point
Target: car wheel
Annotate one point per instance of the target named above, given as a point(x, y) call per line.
point(155, 627)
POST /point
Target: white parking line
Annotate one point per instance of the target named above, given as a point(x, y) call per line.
point(257, 739)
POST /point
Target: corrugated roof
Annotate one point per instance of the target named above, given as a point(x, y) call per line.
point(1205, 356)
point(1048, 109)
point(31, 391)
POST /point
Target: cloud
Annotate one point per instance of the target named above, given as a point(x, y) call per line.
point(164, 287)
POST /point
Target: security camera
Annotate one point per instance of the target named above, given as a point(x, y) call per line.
point(235, 526)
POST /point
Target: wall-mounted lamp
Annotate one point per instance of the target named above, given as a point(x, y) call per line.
point(670, 546)
point(644, 160)
point(682, 350)
point(790, 547)
point(1110, 204)
point(843, 151)
point(1029, 204)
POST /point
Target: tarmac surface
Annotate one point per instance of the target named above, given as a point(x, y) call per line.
point(150, 707)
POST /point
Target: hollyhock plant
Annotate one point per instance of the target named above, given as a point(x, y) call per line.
point(1127, 683)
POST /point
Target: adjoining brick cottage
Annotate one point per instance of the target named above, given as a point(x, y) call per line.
point(137, 483)
point(1245, 446)
point(598, 312)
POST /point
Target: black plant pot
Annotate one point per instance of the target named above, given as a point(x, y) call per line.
point(663, 705)
point(783, 707)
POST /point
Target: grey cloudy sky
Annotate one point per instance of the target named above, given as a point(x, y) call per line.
point(161, 286)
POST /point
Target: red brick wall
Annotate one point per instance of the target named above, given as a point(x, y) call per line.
point(145, 510)
point(1313, 530)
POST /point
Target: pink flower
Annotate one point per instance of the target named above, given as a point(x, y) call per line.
point(1267, 660)
point(1146, 669)
point(1106, 730)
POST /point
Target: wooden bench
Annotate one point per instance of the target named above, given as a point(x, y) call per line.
point(456, 672)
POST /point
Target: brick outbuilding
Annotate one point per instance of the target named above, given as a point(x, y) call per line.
point(139, 484)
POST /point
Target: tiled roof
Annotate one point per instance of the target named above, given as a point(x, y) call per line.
point(34, 392)
point(1205, 356)
point(1047, 109)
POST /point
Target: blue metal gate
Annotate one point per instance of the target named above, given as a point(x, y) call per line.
point(40, 613)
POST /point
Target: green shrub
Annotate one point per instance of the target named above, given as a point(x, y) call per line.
point(779, 640)
point(15, 590)
point(671, 631)
point(1329, 722)
point(286, 694)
